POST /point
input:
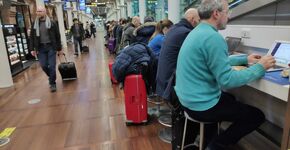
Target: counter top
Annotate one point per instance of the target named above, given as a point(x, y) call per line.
point(271, 88)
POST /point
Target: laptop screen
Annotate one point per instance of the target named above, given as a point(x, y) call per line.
point(233, 43)
point(281, 52)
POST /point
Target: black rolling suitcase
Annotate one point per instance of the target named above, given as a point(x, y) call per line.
point(85, 47)
point(67, 69)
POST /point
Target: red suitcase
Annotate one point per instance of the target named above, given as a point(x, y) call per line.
point(135, 100)
point(113, 80)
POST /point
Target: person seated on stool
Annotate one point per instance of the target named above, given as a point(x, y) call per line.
point(204, 69)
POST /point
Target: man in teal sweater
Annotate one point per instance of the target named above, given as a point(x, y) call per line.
point(204, 68)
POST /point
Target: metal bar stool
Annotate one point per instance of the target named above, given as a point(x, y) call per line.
point(201, 130)
point(165, 134)
point(156, 101)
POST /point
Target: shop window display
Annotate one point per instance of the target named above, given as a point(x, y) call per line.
point(154, 8)
point(135, 8)
point(150, 7)
point(161, 10)
point(13, 48)
point(16, 37)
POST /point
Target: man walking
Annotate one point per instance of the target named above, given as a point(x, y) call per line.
point(45, 43)
point(93, 29)
point(78, 32)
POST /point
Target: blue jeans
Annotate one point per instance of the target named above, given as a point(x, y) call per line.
point(47, 60)
point(78, 41)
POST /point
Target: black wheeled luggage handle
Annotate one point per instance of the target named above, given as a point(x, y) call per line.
point(60, 58)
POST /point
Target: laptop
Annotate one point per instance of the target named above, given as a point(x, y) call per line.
point(280, 50)
point(233, 43)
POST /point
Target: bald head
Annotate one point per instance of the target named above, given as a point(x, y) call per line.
point(136, 21)
point(41, 11)
point(191, 15)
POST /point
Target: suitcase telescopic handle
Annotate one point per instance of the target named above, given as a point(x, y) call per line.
point(63, 56)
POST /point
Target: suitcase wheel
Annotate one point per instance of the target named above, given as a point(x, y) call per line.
point(129, 123)
point(113, 82)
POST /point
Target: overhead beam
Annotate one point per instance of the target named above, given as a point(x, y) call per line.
point(249, 6)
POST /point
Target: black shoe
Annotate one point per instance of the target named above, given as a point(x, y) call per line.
point(52, 87)
point(77, 54)
point(152, 96)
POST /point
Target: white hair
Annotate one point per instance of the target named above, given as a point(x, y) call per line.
point(206, 8)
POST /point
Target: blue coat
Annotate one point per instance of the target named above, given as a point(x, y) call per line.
point(156, 43)
point(169, 53)
point(131, 61)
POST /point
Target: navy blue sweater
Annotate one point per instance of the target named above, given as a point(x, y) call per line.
point(169, 53)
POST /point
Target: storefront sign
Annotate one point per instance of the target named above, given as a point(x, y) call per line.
point(82, 5)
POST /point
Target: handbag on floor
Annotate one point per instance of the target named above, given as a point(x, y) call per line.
point(111, 45)
point(67, 69)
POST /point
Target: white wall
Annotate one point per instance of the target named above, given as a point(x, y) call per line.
point(258, 36)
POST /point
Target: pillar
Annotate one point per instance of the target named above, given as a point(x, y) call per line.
point(174, 10)
point(75, 10)
point(39, 3)
point(118, 9)
point(81, 17)
point(69, 14)
point(117, 14)
point(160, 11)
point(122, 7)
point(59, 14)
point(142, 10)
point(129, 8)
point(5, 72)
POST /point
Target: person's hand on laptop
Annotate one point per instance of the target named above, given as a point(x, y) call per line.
point(267, 61)
point(253, 58)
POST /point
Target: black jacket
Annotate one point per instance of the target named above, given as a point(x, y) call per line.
point(54, 37)
point(74, 32)
point(169, 53)
point(93, 27)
